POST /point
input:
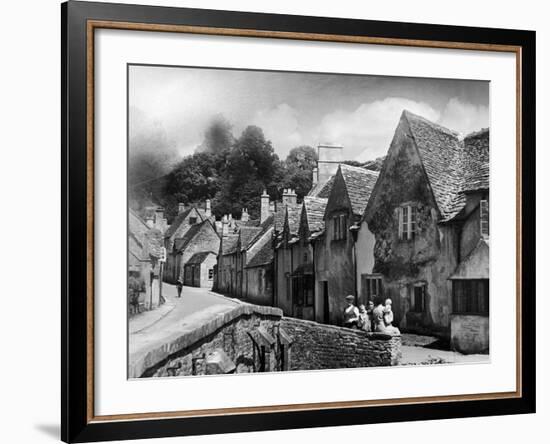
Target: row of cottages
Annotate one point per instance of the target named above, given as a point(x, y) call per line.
point(245, 260)
point(427, 223)
point(316, 255)
point(144, 259)
point(192, 231)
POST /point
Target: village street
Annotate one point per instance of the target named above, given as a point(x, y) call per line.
point(195, 306)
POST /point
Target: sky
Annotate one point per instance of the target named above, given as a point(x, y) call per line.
point(170, 107)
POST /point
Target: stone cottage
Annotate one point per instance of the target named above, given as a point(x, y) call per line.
point(429, 213)
point(200, 237)
point(199, 270)
point(144, 254)
point(335, 251)
point(187, 217)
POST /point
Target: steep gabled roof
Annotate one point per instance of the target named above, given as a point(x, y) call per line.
point(322, 189)
point(264, 253)
point(359, 185)
point(314, 211)
point(182, 243)
point(199, 258)
point(453, 166)
point(279, 215)
point(229, 243)
point(178, 220)
point(293, 213)
point(440, 152)
point(247, 235)
point(148, 239)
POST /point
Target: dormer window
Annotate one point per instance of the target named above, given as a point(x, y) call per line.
point(339, 227)
point(407, 222)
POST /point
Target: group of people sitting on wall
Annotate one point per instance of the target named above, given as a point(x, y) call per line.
point(370, 318)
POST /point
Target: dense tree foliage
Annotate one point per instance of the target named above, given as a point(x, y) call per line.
point(232, 172)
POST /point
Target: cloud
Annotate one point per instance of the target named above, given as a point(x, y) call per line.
point(280, 125)
point(464, 117)
point(366, 132)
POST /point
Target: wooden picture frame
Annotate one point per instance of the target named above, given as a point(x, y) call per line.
point(79, 22)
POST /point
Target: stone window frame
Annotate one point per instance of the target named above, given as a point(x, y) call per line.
point(407, 216)
point(339, 226)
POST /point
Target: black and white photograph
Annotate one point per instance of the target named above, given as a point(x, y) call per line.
point(282, 221)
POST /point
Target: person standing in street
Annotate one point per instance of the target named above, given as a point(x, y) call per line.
point(179, 286)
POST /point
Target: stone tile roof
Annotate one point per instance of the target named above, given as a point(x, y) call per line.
point(359, 184)
point(294, 213)
point(315, 211)
point(280, 214)
point(182, 242)
point(199, 258)
point(453, 166)
point(229, 243)
point(476, 161)
point(177, 222)
point(248, 223)
point(264, 255)
point(149, 239)
point(247, 236)
point(322, 189)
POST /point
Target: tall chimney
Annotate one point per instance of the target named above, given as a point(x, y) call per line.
point(208, 208)
point(244, 215)
point(225, 226)
point(264, 207)
point(289, 197)
point(181, 207)
point(329, 157)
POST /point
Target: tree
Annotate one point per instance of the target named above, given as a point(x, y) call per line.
point(299, 166)
point(251, 167)
point(194, 179)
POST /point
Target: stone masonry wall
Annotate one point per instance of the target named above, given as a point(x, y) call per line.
point(320, 346)
point(252, 338)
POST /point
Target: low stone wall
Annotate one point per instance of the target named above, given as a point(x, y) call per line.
point(319, 346)
point(236, 336)
point(253, 338)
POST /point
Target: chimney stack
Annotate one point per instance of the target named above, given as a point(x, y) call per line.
point(329, 157)
point(208, 208)
point(264, 207)
point(181, 207)
point(244, 215)
point(289, 197)
point(225, 226)
point(315, 177)
point(160, 222)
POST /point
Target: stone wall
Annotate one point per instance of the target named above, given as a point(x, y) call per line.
point(320, 346)
point(245, 336)
point(252, 338)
